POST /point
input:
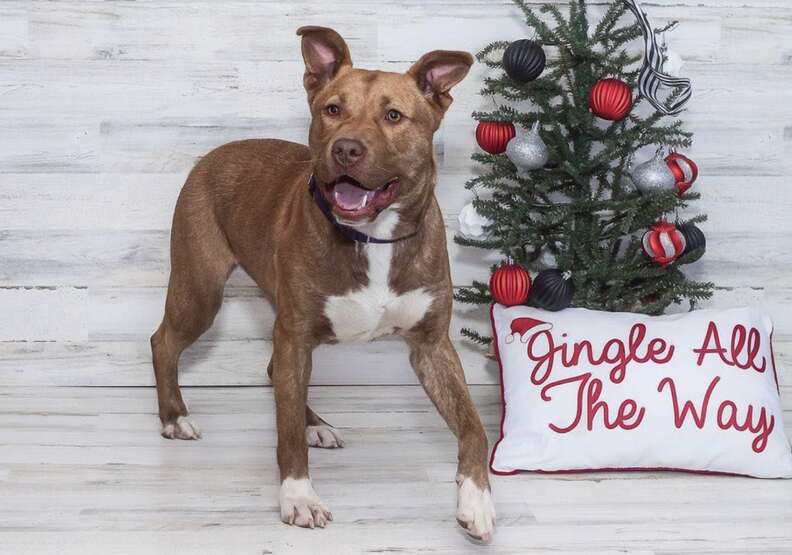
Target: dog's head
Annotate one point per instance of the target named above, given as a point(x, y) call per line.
point(371, 132)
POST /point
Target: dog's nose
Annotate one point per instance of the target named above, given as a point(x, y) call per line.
point(348, 152)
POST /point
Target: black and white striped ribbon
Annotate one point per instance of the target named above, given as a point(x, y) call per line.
point(651, 76)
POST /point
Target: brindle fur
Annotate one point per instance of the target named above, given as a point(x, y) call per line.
point(246, 203)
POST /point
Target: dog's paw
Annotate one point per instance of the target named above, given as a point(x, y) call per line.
point(475, 510)
point(301, 506)
point(323, 436)
point(183, 428)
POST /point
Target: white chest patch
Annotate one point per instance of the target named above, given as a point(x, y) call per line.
point(375, 310)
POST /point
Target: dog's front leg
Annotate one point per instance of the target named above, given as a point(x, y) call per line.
point(438, 368)
point(291, 361)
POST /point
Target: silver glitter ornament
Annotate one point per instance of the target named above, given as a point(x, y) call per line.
point(653, 176)
point(528, 151)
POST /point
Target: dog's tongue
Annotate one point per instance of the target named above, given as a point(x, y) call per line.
point(352, 197)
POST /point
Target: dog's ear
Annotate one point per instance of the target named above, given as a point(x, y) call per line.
point(438, 71)
point(324, 52)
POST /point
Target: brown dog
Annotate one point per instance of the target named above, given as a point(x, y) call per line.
point(345, 237)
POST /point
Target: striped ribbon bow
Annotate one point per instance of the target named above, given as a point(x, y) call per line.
point(651, 76)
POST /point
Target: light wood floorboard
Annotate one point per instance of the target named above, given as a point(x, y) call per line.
point(83, 470)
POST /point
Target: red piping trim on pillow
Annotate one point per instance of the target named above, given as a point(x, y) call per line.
point(607, 469)
point(647, 469)
point(503, 397)
point(772, 361)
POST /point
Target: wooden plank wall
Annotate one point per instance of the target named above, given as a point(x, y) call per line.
point(105, 106)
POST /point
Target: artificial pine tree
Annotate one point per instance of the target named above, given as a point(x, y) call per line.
point(584, 212)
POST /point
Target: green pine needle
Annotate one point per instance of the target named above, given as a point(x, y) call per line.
point(586, 211)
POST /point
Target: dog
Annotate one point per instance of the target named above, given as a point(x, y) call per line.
point(346, 239)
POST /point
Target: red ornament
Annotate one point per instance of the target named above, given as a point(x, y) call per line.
point(509, 284)
point(611, 99)
point(684, 169)
point(493, 136)
point(663, 243)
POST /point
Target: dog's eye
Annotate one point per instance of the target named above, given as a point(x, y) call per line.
point(333, 110)
point(394, 115)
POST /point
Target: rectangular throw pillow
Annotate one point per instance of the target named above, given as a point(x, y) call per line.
point(588, 390)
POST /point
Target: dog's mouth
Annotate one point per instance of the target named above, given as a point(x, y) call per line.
point(353, 201)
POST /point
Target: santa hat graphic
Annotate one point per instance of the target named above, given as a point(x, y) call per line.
point(526, 328)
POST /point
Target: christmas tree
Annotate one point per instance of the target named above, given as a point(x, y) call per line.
point(585, 213)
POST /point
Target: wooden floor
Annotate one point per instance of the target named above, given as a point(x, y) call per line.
point(83, 470)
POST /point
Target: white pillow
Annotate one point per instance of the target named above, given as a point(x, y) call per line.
point(562, 371)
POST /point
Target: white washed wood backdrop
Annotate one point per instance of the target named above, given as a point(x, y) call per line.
point(105, 106)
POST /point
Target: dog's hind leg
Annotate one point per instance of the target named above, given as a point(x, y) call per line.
point(201, 261)
point(318, 432)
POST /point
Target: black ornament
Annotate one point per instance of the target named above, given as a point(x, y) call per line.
point(694, 239)
point(524, 60)
point(552, 290)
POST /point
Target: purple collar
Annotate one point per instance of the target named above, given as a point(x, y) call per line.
point(349, 233)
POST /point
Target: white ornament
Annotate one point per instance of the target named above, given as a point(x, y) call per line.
point(471, 223)
point(673, 63)
point(547, 259)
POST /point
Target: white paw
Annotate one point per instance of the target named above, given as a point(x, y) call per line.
point(475, 510)
point(323, 436)
point(301, 506)
point(183, 428)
